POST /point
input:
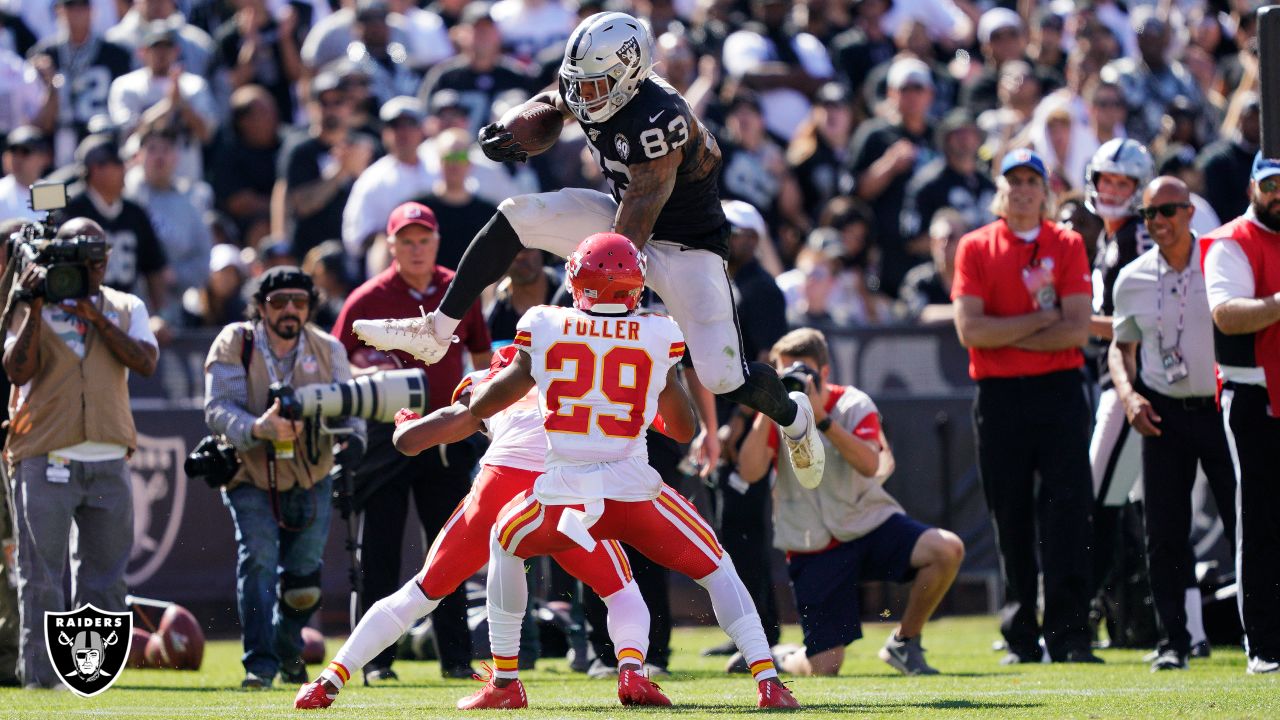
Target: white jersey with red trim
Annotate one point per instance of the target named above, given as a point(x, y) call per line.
point(516, 437)
point(599, 378)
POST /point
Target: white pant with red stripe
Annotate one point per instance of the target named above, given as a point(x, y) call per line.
point(666, 529)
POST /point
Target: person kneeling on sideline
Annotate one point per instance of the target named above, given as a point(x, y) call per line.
point(848, 529)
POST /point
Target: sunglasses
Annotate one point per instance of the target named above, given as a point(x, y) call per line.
point(1167, 210)
point(1269, 185)
point(279, 302)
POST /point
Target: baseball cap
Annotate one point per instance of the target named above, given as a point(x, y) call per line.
point(225, 255)
point(833, 93)
point(996, 19)
point(476, 12)
point(27, 136)
point(402, 106)
point(744, 216)
point(372, 10)
point(157, 32)
point(909, 71)
point(1264, 168)
point(411, 213)
point(446, 99)
point(1025, 157)
point(323, 83)
point(957, 119)
point(96, 149)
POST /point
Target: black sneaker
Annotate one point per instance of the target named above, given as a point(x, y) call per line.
point(1080, 656)
point(1013, 658)
point(256, 682)
point(725, 648)
point(379, 675)
point(294, 672)
point(1201, 649)
point(456, 672)
point(1169, 660)
point(906, 656)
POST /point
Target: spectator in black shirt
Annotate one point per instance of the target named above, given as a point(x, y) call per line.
point(1226, 163)
point(819, 152)
point(926, 291)
point(954, 180)
point(863, 46)
point(255, 49)
point(528, 283)
point(317, 170)
point(459, 212)
point(136, 253)
point(1045, 50)
point(887, 152)
point(88, 64)
point(243, 166)
point(480, 72)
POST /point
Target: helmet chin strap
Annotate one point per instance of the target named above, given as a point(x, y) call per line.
point(1112, 212)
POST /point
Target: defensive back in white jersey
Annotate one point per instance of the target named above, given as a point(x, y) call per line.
point(598, 378)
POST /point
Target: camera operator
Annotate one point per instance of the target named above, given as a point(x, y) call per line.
point(70, 434)
point(279, 498)
point(848, 529)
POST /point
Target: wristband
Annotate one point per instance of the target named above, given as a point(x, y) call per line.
point(824, 424)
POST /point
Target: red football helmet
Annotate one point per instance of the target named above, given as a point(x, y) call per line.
point(606, 274)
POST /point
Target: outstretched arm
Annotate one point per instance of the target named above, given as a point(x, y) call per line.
point(645, 196)
point(443, 426)
point(509, 385)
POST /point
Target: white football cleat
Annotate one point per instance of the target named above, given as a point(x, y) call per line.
point(808, 457)
point(412, 335)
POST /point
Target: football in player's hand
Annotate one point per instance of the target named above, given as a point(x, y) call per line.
point(534, 125)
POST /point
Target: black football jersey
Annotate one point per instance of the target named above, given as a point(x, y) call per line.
point(1114, 252)
point(88, 72)
point(655, 122)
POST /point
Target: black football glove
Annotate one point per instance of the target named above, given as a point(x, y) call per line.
point(497, 145)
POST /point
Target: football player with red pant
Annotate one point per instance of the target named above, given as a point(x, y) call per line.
point(509, 467)
point(602, 375)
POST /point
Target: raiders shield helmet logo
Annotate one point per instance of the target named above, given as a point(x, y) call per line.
point(88, 647)
point(622, 146)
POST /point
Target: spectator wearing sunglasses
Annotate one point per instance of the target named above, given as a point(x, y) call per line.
point(1021, 290)
point(1244, 296)
point(1162, 313)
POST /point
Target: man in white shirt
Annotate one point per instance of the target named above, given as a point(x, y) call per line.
point(196, 48)
point(396, 177)
point(26, 158)
point(162, 92)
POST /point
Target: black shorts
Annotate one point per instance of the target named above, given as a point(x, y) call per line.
point(826, 583)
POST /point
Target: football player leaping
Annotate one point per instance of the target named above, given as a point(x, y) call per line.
point(514, 459)
point(663, 169)
point(602, 375)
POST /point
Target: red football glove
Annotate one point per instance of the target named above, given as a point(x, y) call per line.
point(405, 415)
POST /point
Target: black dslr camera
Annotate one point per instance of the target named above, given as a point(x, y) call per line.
point(793, 378)
point(214, 461)
point(290, 405)
point(66, 261)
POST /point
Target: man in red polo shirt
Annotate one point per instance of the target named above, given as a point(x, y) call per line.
point(1022, 295)
point(438, 480)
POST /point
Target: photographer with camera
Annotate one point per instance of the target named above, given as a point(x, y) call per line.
point(279, 497)
point(68, 356)
point(848, 529)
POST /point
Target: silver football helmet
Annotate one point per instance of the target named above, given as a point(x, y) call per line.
point(1121, 156)
point(607, 57)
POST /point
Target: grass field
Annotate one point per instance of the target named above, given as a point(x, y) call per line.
point(973, 685)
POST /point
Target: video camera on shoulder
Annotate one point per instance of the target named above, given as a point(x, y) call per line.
point(65, 260)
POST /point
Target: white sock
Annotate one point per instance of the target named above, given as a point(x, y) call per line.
point(800, 425)
point(507, 598)
point(628, 622)
point(443, 325)
point(736, 614)
point(382, 624)
point(1195, 616)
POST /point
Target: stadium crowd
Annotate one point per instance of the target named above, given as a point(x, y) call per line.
point(863, 141)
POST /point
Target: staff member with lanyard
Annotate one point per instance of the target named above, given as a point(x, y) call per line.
point(1242, 274)
point(1160, 304)
point(1022, 295)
